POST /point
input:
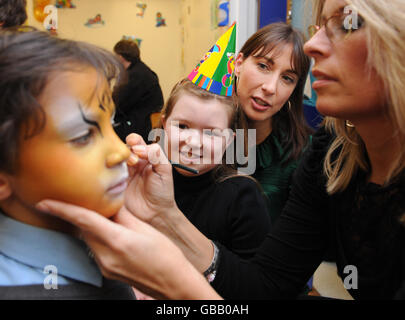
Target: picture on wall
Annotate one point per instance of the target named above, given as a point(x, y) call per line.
point(142, 7)
point(133, 38)
point(97, 21)
point(160, 21)
point(60, 4)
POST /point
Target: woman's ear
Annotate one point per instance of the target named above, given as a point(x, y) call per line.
point(238, 63)
point(5, 187)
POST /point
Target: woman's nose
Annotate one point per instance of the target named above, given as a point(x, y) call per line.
point(318, 45)
point(269, 86)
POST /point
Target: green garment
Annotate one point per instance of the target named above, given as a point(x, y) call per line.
point(273, 175)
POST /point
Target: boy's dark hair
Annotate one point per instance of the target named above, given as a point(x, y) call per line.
point(28, 59)
point(129, 50)
point(12, 13)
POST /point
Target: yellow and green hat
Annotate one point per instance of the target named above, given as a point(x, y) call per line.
point(215, 71)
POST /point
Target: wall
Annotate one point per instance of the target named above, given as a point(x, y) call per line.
point(171, 51)
point(199, 33)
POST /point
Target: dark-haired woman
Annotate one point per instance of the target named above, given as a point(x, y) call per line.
point(270, 71)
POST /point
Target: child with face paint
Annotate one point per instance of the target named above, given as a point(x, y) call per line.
point(56, 141)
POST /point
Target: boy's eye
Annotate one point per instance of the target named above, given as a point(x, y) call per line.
point(83, 139)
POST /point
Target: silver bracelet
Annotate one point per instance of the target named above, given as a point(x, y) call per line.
point(211, 272)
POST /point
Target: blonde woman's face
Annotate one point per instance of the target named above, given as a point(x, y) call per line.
point(77, 157)
point(346, 87)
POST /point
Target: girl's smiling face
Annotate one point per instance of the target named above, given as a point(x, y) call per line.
point(197, 132)
point(77, 157)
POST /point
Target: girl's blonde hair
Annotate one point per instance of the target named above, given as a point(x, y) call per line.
point(385, 33)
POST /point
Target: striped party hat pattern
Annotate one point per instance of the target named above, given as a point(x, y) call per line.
point(214, 72)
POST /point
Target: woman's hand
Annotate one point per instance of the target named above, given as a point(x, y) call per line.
point(150, 191)
point(150, 197)
point(129, 250)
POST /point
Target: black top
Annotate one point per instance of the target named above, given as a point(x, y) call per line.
point(360, 225)
point(136, 100)
point(232, 212)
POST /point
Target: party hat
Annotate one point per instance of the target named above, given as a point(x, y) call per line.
point(214, 72)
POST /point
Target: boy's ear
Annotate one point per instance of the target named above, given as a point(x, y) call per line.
point(5, 187)
point(238, 63)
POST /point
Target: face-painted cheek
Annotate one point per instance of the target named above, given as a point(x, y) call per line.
point(111, 176)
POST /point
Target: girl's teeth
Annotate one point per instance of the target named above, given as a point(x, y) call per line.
point(262, 103)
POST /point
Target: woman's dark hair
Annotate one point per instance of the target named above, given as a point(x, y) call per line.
point(129, 50)
point(28, 60)
point(289, 124)
point(12, 13)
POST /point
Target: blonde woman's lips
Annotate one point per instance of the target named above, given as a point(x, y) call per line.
point(322, 79)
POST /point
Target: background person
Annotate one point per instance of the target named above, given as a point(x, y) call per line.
point(138, 97)
point(12, 13)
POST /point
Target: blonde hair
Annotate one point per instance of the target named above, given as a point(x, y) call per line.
point(385, 34)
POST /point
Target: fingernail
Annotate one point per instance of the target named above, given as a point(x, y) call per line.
point(138, 149)
point(42, 207)
point(132, 160)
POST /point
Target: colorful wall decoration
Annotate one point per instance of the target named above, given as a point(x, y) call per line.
point(38, 8)
point(97, 21)
point(142, 7)
point(160, 21)
point(64, 4)
point(133, 38)
point(223, 13)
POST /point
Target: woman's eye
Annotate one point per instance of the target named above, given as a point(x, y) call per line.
point(84, 139)
point(262, 66)
point(289, 79)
